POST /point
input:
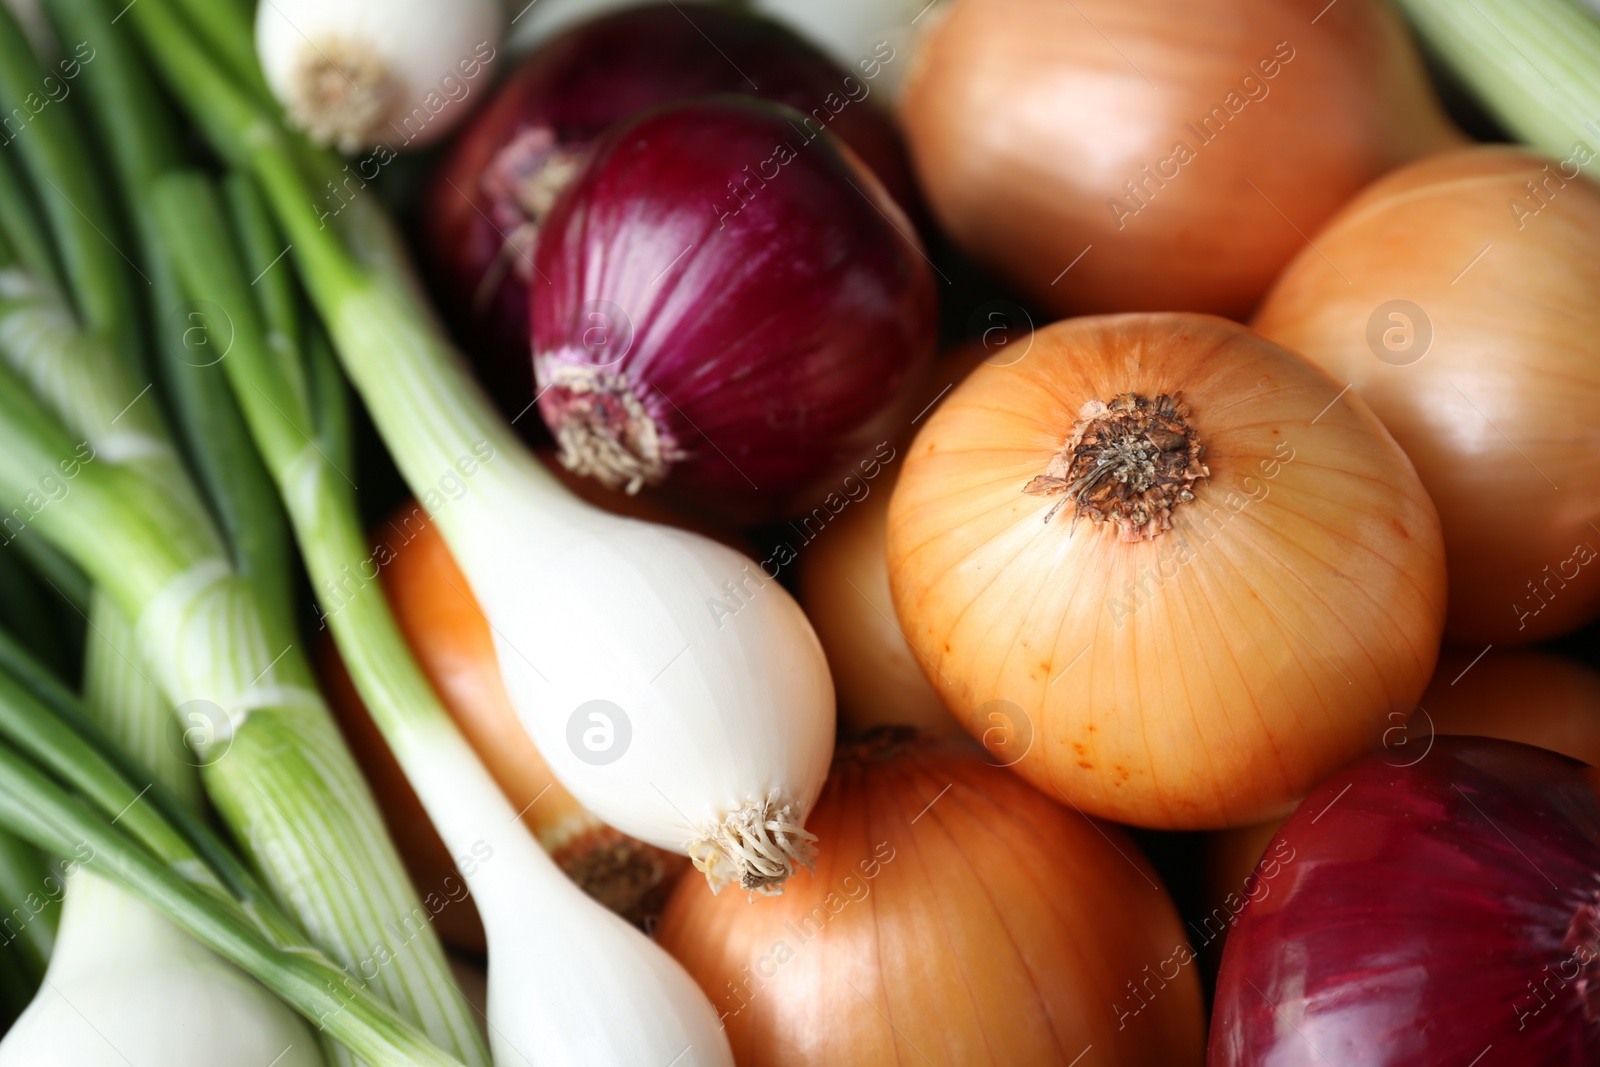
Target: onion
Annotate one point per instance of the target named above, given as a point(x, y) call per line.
point(358, 73)
point(731, 306)
point(1457, 297)
point(844, 588)
point(1233, 621)
point(452, 642)
point(1431, 913)
point(491, 192)
point(1162, 155)
point(1530, 697)
point(967, 920)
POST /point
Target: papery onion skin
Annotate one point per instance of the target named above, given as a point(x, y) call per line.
point(1430, 913)
point(569, 92)
point(844, 588)
point(1533, 698)
point(1026, 119)
point(739, 332)
point(967, 918)
point(1208, 676)
point(1497, 409)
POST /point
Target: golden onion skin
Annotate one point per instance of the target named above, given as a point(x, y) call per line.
point(1463, 309)
point(1181, 149)
point(955, 917)
point(1207, 676)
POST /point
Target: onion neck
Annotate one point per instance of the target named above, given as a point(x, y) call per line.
point(1130, 461)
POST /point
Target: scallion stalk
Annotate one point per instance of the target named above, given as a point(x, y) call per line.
point(276, 767)
point(1530, 62)
point(36, 808)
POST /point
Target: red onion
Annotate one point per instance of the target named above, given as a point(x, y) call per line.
point(485, 203)
point(730, 305)
point(1427, 914)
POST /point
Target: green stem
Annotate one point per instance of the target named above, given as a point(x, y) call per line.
point(135, 121)
point(33, 806)
point(21, 238)
point(275, 765)
point(1532, 63)
point(27, 935)
point(320, 498)
point(80, 214)
point(179, 808)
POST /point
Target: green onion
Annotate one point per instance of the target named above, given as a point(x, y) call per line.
point(36, 808)
point(220, 649)
point(1532, 63)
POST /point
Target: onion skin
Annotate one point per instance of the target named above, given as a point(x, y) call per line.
point(989, 924)
point(1305, 580)
point(1532, 698)
point(445, 629)
point(766, 333)
point(844, 588)
point(574, 88)
point(1430, 912)
point(1026, 117)
point(1498, 411)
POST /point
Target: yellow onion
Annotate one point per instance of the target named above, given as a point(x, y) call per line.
point(1181, 149)
point(1458, 297)
point(955, 917)
point(1171, 571)
point(844, 588)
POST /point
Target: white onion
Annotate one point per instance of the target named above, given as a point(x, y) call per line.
point(358, 73)
point(713, 729)
point(125, 986)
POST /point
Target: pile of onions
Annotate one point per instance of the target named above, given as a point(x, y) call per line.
point(1431, 913)
point(451, 640)
point(1160, 155)
point(731, 309)
point(485, 204)
point(1457, 296)
point(1173, 572)
point(956, 917)
point(844, 588)
point(1530, 697)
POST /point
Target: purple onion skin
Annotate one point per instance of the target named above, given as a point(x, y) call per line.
point(767, 341)
point(1430, 915)
point(571, 91)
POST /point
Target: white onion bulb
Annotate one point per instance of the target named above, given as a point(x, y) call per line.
point(697, 728)
point(358, 73)
point(125, 986)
